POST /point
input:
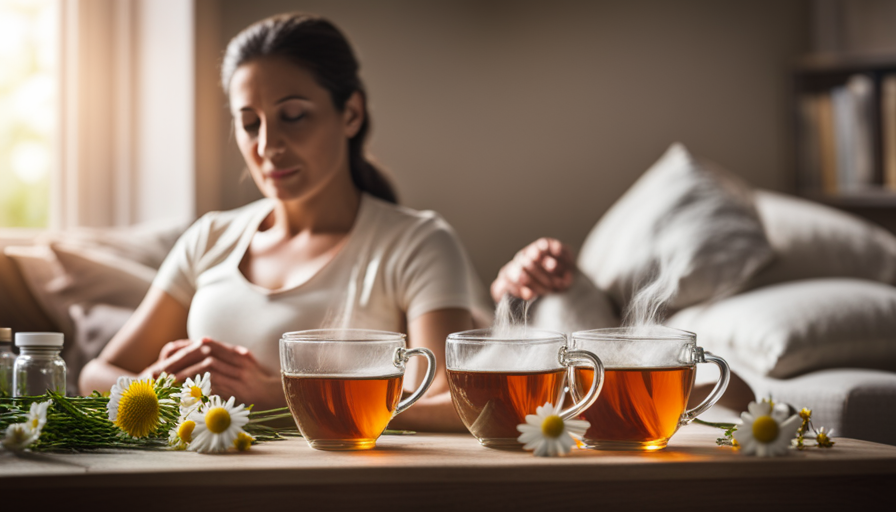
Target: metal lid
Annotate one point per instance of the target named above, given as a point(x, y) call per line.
point(39, 339)
point(5, 334)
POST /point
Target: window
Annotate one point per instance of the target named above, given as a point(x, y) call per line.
point(29, 113)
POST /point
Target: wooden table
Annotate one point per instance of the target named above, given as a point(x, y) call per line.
point(452, 472)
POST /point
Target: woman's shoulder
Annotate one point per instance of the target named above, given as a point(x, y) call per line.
point(407, 234)
point(403, 219)
point(217, 229)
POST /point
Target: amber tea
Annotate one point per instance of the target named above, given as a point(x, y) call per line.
point(638, 407)
point(337, 412)
point(492, 404)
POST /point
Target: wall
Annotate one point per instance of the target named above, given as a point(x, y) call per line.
point(519, 119)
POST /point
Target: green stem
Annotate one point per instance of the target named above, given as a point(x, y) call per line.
point(723, 426)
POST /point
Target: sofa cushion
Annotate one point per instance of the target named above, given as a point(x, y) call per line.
point(95, 276)
point(793, 328)
point(855, 403)
point(19, 310)
point(812, 240)
point(686, 218)
point(43, 275)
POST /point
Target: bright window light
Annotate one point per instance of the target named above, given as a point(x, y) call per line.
point(29, 118)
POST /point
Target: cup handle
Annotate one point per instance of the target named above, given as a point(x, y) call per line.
point(568, 358)
point(402, 356)
point(717, 391)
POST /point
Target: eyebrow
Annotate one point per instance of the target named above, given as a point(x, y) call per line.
point(291, 97)
point(281, 100)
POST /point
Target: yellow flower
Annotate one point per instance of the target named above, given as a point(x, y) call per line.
point(180, 436)
point(805, 414)
point(548, 434)
point(243, 442)
point(135, 407)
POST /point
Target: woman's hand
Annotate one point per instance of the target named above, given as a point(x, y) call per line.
point(234, 371)
point(544, 266)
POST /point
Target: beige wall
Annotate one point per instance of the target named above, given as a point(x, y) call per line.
point(522, 119)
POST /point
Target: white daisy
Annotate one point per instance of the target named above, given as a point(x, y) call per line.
point(823, 439)
point(548, 434)
point(766, 431)
point(218, 425)
point(18, 437)
point(180, 436)
point(37, 416)
point(135, 407)
point(193, 390)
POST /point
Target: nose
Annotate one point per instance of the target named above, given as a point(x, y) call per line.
point(270, 141)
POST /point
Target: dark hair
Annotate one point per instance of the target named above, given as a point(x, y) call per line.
point(317, 45)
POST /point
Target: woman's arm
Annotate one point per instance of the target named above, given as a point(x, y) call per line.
point(435, 411)
point(158, 320)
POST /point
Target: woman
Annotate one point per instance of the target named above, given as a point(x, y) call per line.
point(327, 246)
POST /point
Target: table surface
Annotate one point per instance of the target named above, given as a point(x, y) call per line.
point(436, 461)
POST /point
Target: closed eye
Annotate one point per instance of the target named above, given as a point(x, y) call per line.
point(292, 118)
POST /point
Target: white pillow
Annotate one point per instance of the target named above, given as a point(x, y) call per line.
point(96, 276)
point(146, 243)
point(688, 213)
point(812, 240)
point(793, 328)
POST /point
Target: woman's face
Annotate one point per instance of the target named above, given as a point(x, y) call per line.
point(294, 140)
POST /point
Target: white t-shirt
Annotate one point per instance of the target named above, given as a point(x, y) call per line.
point(397, 264)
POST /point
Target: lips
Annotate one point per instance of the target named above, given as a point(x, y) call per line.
point(279, 174)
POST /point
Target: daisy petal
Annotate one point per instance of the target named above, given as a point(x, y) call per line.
point(759, 409)
point(528, 437)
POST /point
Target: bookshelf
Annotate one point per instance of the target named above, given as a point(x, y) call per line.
point(846, 131)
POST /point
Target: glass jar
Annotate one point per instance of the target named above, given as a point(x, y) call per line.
point(7, 361)
point(39, 367)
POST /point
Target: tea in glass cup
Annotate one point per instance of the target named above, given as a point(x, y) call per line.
point(648, 378)
point(344, 386)
point(496, 380)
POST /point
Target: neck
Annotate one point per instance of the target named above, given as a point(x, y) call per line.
point(332, 209)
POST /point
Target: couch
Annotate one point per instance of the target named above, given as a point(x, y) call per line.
point(798, 297)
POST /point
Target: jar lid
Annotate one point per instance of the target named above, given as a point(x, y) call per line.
point(39, 339)
point(5, 334)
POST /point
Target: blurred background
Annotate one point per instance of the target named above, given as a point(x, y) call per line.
point(513, 119)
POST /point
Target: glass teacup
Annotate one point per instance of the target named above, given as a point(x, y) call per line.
point(496, 381)
point(344, 386)
point(647, 382)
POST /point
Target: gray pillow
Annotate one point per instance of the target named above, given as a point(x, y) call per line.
point(812, 240)
point(792, 328)
point(688, 216)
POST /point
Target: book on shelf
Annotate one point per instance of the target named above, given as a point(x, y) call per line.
point(836, 137)
point(888, 128)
